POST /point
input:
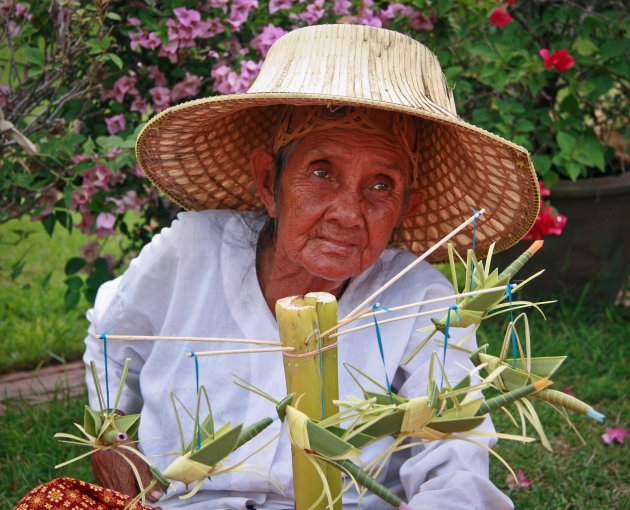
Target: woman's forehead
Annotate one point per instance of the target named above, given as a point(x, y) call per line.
point(399, 130)
point(346, 143)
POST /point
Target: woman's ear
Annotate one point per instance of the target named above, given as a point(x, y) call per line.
point(264, 172)
point(414, 202)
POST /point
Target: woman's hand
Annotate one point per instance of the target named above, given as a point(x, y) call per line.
point(113, 472)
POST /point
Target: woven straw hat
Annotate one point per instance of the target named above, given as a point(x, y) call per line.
point(198, 152)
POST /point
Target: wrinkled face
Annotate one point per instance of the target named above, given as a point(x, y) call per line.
point(341, 195)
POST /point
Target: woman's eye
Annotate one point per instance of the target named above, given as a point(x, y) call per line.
point(322, 173)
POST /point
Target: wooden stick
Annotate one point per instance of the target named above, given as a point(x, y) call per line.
point(368, 312)
point(192, 339)
point(238, 351)
point(394, 319)
point(402, 273)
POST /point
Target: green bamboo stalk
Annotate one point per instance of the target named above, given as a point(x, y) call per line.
point(297, 318)
point(326, 307)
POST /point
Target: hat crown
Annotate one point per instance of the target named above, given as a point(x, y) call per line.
point(357, 62)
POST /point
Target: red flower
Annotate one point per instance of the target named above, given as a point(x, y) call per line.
point(544, 192)
point(500, 18)
point(547, 223)
point(560, 59)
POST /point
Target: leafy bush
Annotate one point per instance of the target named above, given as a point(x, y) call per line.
point(83, 76)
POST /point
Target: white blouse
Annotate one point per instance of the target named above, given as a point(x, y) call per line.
point(198, 278)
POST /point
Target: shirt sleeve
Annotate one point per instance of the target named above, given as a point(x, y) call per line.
point(450, 474)
point(133, 304)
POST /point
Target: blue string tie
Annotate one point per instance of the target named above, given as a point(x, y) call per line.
point(104, 338)
point(378, 306)
point(194, 355)
point(446, 330)
point(508, 293)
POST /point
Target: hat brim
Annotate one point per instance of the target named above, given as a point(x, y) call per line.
point(198, 154)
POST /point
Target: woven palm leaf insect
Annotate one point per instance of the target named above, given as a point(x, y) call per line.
point(450, 413)
point(104, 429)
point(472, 310)
point(202, 456)
point(453, 409)
point(324, 444)
point(525, 370)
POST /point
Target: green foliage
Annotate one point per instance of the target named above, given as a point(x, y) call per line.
point(83, 77)
point(35, 326)
point(29, 453)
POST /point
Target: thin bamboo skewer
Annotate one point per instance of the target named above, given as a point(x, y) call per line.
point(193, 339)
point(402, 273)
point(368, 312)
point(394, 319)
point(238, 351)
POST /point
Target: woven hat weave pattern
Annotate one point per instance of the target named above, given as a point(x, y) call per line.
point(198, 152)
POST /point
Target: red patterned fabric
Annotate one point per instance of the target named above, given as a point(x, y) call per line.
point(70, 494)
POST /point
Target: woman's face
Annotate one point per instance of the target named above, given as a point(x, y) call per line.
point(341, 195)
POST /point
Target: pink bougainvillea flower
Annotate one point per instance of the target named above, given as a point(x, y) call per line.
point(614, 435)
point(137, 171)
point(161, 97)
point(500, 18)
point(113, 153)
point(396, 9)
point(221, 4)
point(47, 201)
point(86, 223)
point(279, 5)
point(568, 390)
point(188, 87)
point(21, 11)
point(157, 76)
point(210, 28)
point(249, 71)
point(341, 7)
point(520, 482)
point(115, 123)
point(122, 86)
point(422, 22)
point(105, 224)
point(268, 35)
point(313, 13)
point(187, 17)
point(149, 40)
point(139, 105)
point(89, 251)
point(4, 92)
point(240, 12)
point(225, 79)
point(134, 22)
point(561, 59)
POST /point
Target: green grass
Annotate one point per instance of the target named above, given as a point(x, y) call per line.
point(35, 327)
point(574, 475)
point(29, 452)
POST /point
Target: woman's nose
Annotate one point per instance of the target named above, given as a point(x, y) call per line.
point(347, 210)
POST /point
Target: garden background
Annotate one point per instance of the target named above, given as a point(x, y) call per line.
point(78, 80)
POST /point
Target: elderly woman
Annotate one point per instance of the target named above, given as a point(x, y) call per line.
point(350, 142)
